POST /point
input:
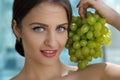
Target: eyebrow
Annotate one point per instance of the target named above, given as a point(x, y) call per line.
point(38, 23)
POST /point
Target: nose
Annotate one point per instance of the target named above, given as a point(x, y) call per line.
point(51, 40)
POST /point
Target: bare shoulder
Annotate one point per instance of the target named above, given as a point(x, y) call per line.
point(93, 72)
point(98, 71)
point(101, 71)
point(102, 67)
point(111, 71)
point(105, 67)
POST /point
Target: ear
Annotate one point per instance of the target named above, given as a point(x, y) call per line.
point(16, 29)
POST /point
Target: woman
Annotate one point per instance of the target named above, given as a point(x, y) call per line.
point(41, 28)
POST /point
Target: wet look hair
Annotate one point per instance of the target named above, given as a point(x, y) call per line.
point(22, 7)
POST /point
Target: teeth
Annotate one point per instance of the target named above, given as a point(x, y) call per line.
point(50, 52)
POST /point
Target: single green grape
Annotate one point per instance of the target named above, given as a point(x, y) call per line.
point(82, 65)
point(73, 58)
point(83, 42)
point(76, 37)
point(91, 20)
point(78, 53)
point(76, 45)
point(89, 35)
point(84, 28)
point(73, 26)
point(92, 52)
point(85, 51)
point(98, 26)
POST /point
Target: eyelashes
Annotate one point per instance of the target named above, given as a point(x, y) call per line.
point(39, 29)
point(60, 28)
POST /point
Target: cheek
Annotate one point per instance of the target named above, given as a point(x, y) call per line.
point(63, 39)
point(31, 43)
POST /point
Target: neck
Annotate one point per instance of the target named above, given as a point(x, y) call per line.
point(35, 71)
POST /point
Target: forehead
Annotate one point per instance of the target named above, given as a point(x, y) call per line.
point(51, 6)
point(47, 12)
point(47, 8)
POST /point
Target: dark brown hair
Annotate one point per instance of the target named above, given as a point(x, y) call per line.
point(22, 7)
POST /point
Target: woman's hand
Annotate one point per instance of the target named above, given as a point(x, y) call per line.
point(111, 16)
point(83, 5)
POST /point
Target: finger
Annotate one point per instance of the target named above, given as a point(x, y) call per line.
point(82, 12)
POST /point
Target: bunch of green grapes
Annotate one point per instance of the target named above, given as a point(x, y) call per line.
point(86, 38)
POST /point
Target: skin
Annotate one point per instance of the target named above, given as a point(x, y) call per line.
point(51, 37)
point(104, 10)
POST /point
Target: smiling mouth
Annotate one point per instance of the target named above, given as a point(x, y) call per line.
point(48, 53)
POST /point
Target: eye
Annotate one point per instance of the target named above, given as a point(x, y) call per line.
point(39, 29)
point(61, 28)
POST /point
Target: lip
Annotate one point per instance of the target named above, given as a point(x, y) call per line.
point(48, 53)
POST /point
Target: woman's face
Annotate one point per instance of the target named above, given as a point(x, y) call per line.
point(44, 33)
